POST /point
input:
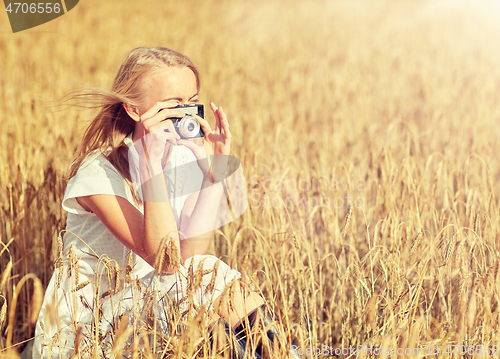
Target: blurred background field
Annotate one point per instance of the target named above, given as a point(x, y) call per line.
point(390, 107)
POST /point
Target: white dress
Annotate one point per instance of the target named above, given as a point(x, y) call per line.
point(101, 286)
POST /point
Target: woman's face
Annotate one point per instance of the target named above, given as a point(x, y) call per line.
point(176, 84)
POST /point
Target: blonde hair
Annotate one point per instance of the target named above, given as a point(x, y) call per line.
point(110, 127)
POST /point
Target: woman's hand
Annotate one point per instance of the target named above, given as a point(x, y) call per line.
point(159, 134)
point(154, 139)
point(213, 154)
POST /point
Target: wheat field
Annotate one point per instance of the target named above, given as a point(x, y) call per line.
point(368, 135)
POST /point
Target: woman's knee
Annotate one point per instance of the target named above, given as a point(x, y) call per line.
point(237, 302)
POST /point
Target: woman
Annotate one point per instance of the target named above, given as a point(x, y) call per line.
point(137, 233)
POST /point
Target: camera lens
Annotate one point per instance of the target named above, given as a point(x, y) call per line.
point(189, 127)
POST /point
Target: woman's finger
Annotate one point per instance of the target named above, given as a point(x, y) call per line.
point(199, 153)
point(158, 107)
point(224, 124)
point(165, 129)
point(192, 145)
point(159, 112)
point(161, 134)
point(151, 123)
point(170, 128)
point(213, 106)
point(217, 117)
point(165, 125)
point(170, 138)
point(204, 124)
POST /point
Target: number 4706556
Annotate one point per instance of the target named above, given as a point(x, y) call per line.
point(33, 8)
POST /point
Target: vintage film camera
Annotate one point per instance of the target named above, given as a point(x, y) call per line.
point(188, 126)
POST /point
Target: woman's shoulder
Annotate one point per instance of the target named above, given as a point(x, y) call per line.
point(96, 164)
point(96, 175)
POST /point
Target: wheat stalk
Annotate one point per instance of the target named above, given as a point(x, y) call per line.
point(5, 275)
point(3, 311)
point(345, 225)
point(129, 267)
point(415, 243)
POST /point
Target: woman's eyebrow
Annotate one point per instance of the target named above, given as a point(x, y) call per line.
point(178, 98)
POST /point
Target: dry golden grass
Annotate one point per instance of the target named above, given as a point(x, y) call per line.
point(394, 104)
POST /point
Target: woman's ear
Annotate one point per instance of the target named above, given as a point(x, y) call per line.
point(133, 111)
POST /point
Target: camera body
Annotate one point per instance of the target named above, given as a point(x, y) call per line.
point(189, 126)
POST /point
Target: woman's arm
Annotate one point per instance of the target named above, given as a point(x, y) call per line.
point(143, 234)
point(198, 220)
point(130, 226)
point(199, 215)
point(159, 220)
